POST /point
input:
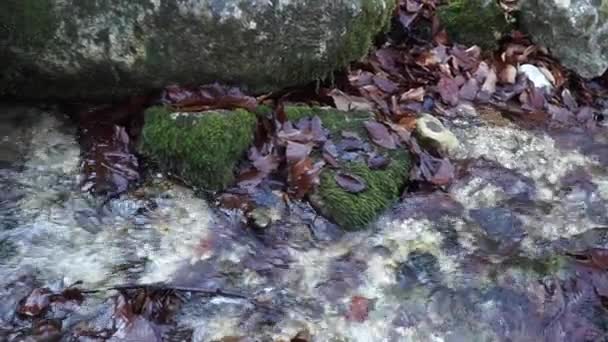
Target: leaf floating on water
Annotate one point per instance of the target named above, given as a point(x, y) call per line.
point(350, 182)
point(36, 303)
point(380, 135)
point(359, 308)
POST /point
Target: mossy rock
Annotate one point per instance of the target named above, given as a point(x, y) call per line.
point(354, 211)
point(201, 148)
point(103, 50)
point(474, 22)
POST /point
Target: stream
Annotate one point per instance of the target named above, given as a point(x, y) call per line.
point(511, 251)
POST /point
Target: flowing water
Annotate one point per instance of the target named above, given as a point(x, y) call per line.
point(488, 259)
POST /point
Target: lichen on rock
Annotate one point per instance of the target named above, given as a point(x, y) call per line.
point(201, 148)
point(383, 186)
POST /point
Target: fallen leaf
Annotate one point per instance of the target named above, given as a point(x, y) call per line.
point(358, 310)
point(35, 303)
point(378, 162)
point(448, 89)
point(380, 135)
point(350, 182)
point(489, 85)
point(508, 74)
point(296, 151)
point(413, 94)
point(469, 90)
point(347, 102)
point(385, 84)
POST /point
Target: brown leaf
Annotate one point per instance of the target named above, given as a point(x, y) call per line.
point(380, 135)
point(444, 173)
point(413, 94)
point(303, 176)
point(469, 90)
point(349, 182)
point(508, 74)
point(213, 96)
point(427, 59)
point(385, 84)
point(448, 89)
point(296, 151)
point(316, 128)
point(347, 102)
point(358, 310)
point(378, 162)
point(489, 85)
point(35, 303)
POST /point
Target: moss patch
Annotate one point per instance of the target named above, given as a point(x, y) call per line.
point(474, 22)
point(202, 148)
point(355, 210)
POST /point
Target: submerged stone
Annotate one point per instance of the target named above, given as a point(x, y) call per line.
point(383, 186)
point(201, 148)
point(104, 49)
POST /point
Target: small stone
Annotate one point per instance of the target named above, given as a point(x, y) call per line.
point(429, 127)
point(260, 218)
point(535, 75)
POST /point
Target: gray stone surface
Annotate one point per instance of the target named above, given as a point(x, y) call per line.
point(575, 31)
point(101, 49)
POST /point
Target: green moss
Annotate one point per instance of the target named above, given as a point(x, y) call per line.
point(334, 120)
point(355, 211)
point(202, 148)
point(474, 22)
point(27, 23)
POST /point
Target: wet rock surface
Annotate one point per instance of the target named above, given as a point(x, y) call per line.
point(510, 251)
point(574, 31)
point(71, 49)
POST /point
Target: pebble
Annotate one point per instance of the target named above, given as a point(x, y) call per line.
point(535, 75)
point(429, 127)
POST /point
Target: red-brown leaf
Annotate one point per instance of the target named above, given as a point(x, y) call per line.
point(380, 135)
point(349, 182)
point(448, 89)
point(358, 310)
point(296, 151)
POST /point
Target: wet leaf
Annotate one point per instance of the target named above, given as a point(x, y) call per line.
point(349, 182)
point(303, 176)
point(206, 97)
point(413, 94)
point(296, 151)
point(378, 162)
point(385, 84)
point(380, 135)
point(359, 308)
point(347, 102)
point(36, 303)
point(448, 89)
point(469, 90)
point(444, 173)
point(489, 85)
point(508, 74)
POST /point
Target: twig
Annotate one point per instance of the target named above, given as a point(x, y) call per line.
point(209, 292)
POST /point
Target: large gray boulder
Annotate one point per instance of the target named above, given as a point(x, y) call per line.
point(575, 31)
point(110, 48)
